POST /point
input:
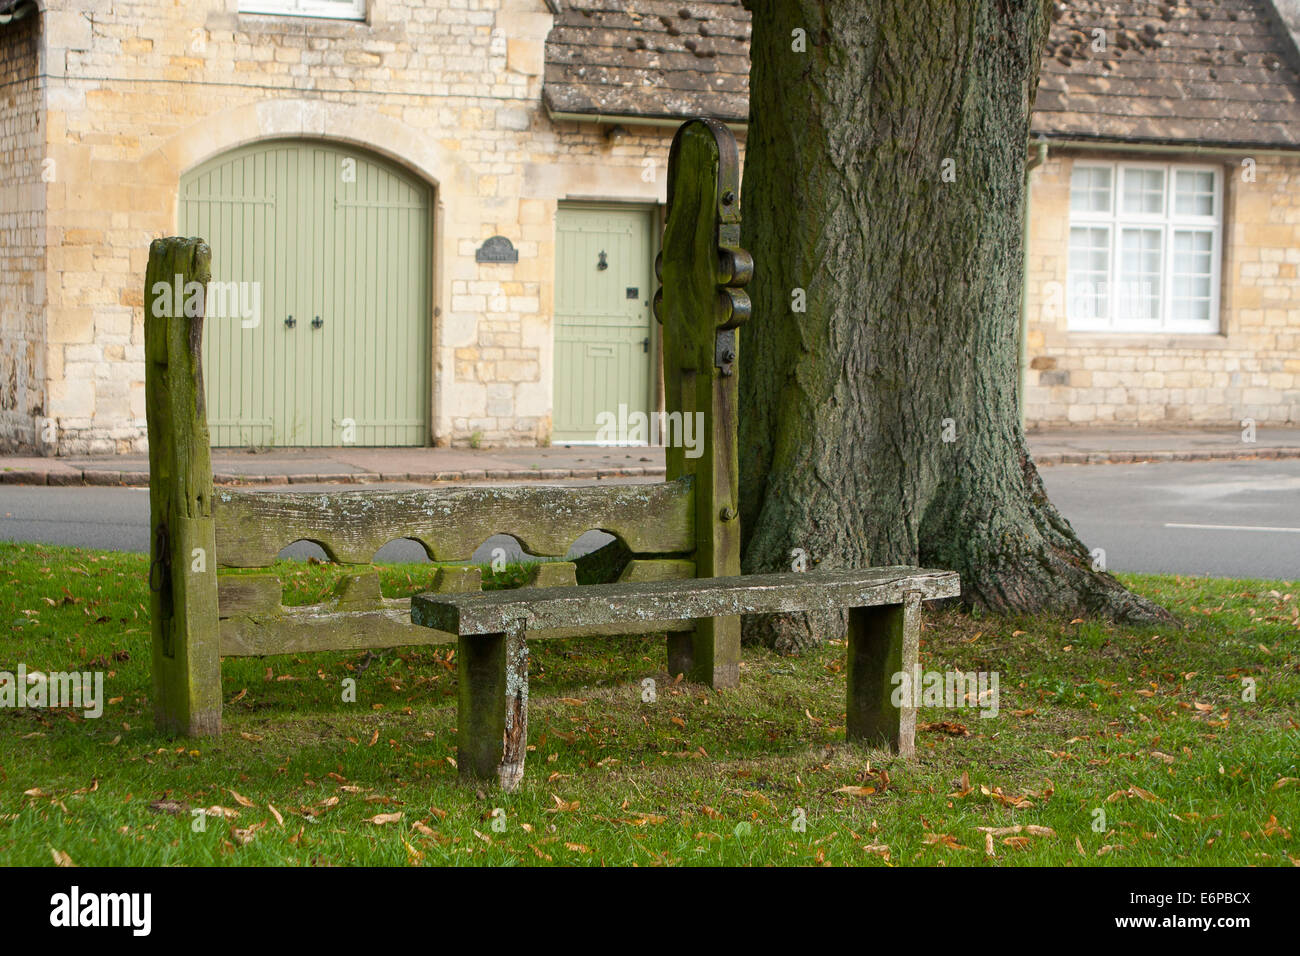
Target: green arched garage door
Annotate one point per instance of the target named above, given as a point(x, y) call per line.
point(325, 336)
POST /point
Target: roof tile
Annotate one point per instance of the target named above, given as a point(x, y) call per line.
point(1205, 71)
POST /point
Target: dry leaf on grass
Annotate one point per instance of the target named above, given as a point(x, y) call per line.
point(944, 840)
point(856, 791)
point(945, 727)
point(562, 806)
point(964, 788)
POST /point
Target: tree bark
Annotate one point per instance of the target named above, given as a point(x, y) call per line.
point(884, 177)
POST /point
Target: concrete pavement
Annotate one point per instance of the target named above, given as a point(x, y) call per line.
point(459, 465)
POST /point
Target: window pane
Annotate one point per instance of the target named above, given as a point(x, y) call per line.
point(1192, 275)
point(1193, 193)
point(1089, 285)
point(1090, 189)
point(334, 9)
point(1144, 191)
point(1140, 267)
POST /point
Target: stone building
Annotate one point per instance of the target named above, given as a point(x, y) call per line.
point(348, 161)
point(1165, 216)
point(436, 222)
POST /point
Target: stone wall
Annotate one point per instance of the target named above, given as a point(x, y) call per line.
point(1250, 369)
point(22, 236)
point(140, 91)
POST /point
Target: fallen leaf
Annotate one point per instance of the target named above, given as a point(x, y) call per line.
point(245, 837)
point(944, 840)
point(878, 849)
point(965, 788)
point(562, 806)
point(379, 819)
point(945, 727)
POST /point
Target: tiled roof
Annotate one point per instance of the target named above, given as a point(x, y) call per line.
point(651, 58)
point(1215, 72)
point(1204, 71)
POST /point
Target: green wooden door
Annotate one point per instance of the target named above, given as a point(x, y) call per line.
point(603, 341)
point(325, 253)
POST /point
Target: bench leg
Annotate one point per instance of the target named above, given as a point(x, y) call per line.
point(492, 720)
point(710, 654)
point(883, 642)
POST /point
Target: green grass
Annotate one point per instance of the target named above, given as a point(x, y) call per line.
point(1148, 725)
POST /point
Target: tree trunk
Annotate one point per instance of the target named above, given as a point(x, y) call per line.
point(884, 186)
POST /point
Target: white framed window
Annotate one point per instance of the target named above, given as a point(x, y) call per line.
point(331, 9)
point(1144, 247)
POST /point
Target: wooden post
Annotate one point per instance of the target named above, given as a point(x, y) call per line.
point(700, 304)
point(492, 719)
point(182, 571)
point(883, 642)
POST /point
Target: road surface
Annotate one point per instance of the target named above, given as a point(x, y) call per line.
point(1227, 519)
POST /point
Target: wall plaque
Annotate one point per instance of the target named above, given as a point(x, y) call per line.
point(497, 249)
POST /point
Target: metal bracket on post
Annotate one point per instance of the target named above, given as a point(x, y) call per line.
point(724, 352)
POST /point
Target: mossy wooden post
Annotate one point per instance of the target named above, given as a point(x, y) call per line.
point(702, 269)
point(883, 642)
point(492, 717)
point(183, 567)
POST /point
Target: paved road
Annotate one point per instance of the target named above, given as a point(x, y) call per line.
point(1237, 518)
point(1227, 519)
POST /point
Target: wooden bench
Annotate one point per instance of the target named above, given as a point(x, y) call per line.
point(214, 591)
point(492, 651)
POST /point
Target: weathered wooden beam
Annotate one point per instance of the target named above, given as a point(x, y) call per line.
point(552, 574)
point(603, 604)
point(183, 556)
point(323, 627)
point(514, 744)
point(242, 594)
point(492, 717)
point(703, 270)
point(883, 642)
point(468, 577)
point(253, 527)
point(665, 569)
point(357, 589)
